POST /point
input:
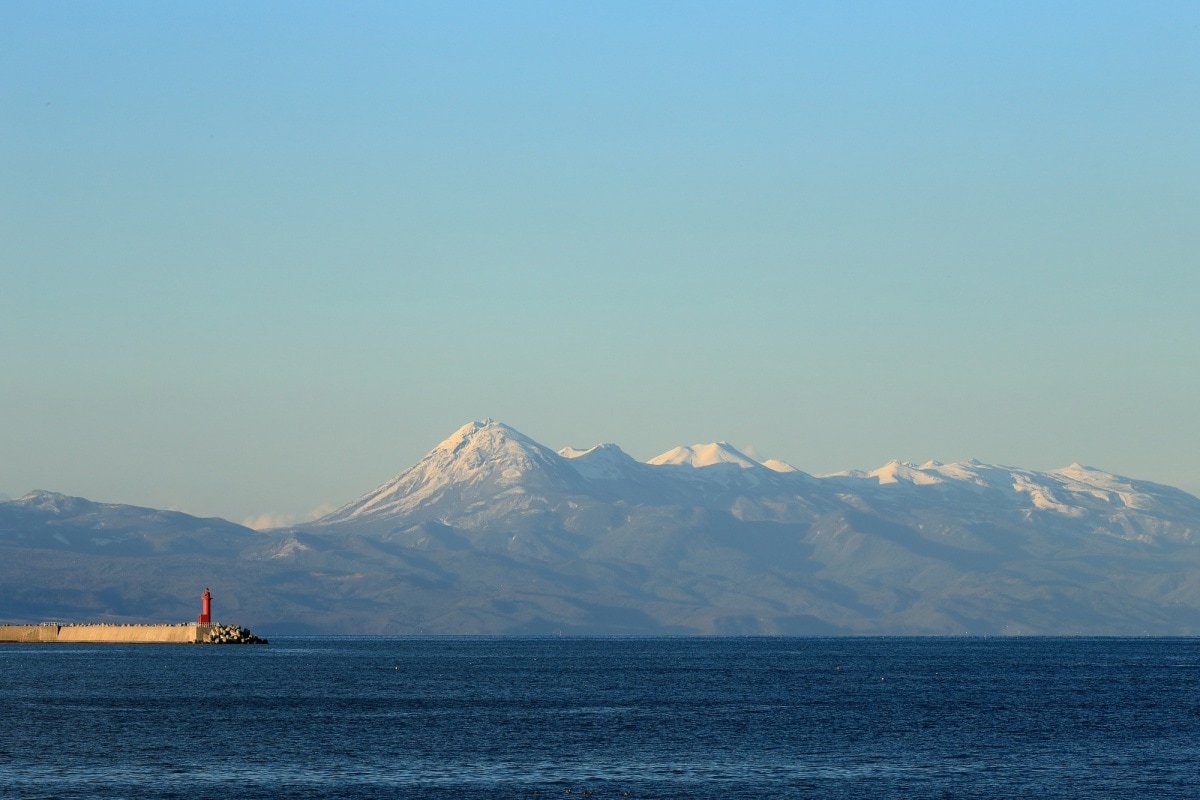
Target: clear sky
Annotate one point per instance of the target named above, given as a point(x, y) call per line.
point(256, 258)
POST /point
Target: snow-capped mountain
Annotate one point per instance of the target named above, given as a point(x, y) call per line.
point(1085, 497)
point(487, 472)
point(481, 461)
point(724, 469)
point(706, 455)
point(604, 462)
point(492, 532)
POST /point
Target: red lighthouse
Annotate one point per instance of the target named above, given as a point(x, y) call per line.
point(205, 617)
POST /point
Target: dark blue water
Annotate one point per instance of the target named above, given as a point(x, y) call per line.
point(657, 718)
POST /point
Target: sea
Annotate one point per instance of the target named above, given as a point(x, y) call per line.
point(728, 718)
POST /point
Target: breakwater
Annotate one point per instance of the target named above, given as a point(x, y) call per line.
point(102, 633)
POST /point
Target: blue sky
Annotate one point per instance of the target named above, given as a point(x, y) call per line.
point(257, 258)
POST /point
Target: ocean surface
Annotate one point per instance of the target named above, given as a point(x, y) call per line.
point(643, 718)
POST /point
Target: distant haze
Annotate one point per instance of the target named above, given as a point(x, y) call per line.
point(492, 532)
point(256, 257)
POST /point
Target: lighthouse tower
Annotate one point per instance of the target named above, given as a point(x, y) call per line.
point(205, 617)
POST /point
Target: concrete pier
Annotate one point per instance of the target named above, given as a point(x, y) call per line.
point(183, 633)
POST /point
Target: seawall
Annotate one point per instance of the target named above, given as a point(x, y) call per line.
point(183, 633)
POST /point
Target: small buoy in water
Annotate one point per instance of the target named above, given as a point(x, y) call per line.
point(883, 679)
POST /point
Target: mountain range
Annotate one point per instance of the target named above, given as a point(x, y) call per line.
point(494, 533)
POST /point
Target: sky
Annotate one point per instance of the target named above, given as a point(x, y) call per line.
point(257, 258)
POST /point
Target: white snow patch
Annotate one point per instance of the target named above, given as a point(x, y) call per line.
point(1043, 498)
point(290, 548)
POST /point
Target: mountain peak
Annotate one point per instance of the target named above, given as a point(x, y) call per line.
point(705, 455)
point(482, 457)
point(488, 427)
point(605, 450)
point(603, 462)
point(53, 502)
point(896, 471)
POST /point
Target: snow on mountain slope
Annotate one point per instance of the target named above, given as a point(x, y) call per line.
point(55, 503)
point(478, 461)
point(1088, 499)
point(1089, 482)
point(1039, 490)
point(935, 473)
point(604, 462)
point(722, 467)
point(1073, 490)
point(1041, 493)
point(989, 476)
point(1127, 508)
point(492, 532)
point(705, 455)
point(486, 471)
point(904, 472)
